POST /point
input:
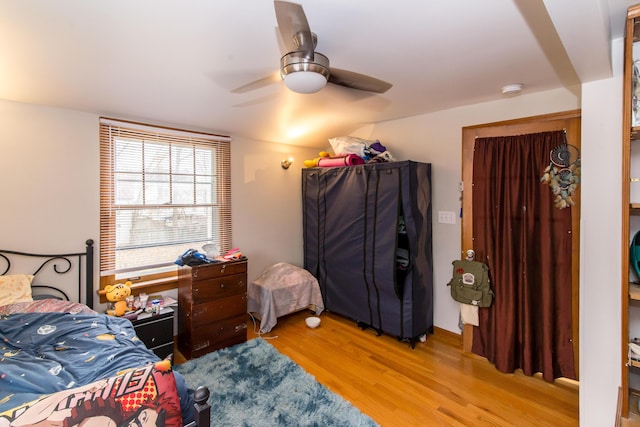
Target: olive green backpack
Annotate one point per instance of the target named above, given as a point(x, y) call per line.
point(470, 283)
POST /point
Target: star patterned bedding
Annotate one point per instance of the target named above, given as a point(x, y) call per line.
point(47, 352)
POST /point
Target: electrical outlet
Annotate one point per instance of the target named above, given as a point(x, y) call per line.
point(446, 217)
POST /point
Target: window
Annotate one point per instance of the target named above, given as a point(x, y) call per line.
point(162, 191)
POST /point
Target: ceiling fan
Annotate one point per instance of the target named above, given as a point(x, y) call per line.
point(303, 69)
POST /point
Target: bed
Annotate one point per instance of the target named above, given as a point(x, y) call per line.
point(280, 290)
point(61, 362)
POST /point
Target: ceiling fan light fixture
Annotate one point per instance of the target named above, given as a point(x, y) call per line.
point(302, 74)
point(305, 81)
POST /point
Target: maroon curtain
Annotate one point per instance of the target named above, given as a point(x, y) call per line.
point(526, 242)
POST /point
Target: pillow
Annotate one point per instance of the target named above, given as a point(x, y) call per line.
point(15, 288)
point(349, 145)
point(144, 393)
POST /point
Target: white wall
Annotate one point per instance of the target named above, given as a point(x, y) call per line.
point(267, 202)
point(437, 139)
point(600, 275)
point(50, 176)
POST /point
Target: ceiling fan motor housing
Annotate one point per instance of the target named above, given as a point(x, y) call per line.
point(296, 68)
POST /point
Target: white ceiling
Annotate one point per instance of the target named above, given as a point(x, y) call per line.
point(177, 63)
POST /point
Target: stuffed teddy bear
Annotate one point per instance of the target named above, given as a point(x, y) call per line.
point(116, 295)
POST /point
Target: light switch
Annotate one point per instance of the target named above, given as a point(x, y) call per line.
point(446, 217)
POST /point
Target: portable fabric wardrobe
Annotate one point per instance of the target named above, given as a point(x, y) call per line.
point(367, 239)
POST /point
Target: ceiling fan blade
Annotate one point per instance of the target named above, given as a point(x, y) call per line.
point(259, 84)
point(294, 28)
point(358, 81)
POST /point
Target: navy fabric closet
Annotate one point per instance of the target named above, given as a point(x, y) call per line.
point(367, 239)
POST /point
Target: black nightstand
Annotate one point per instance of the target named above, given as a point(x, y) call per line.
point(156, 332)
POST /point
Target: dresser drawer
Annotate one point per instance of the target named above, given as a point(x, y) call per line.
point(213, 311)
point(217, 345)
point(219, 287)
point(218, 335)
point(216, 270)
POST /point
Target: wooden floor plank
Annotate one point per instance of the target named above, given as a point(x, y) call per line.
point(433, 384)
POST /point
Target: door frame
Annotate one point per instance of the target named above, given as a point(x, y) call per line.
point(570, 122)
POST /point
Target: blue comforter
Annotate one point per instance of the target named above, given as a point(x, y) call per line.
point(41, 353)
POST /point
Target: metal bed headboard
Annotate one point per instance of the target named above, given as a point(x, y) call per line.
point(59, 264)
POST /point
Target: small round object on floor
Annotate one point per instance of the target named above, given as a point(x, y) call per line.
point(312, 321)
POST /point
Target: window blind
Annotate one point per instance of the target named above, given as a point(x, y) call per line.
point(162, 191)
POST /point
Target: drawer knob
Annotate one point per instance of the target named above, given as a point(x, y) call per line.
point(222, 285)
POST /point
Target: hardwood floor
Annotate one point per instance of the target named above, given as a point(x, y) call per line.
point(434, 384)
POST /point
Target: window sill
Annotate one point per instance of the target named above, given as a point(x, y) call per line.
point(149, 287)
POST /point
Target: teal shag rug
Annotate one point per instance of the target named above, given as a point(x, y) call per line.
point(252, 384)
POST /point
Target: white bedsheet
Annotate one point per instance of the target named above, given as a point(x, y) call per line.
point(282, 289)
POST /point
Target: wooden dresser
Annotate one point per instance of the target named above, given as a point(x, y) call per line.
point(212, 307)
